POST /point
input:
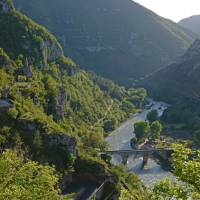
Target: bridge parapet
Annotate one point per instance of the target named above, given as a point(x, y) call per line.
point(145, 153)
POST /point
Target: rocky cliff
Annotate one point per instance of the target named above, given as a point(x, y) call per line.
point(6, 6)
point(30, 39)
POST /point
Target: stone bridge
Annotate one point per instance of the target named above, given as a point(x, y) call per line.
point(163, 154)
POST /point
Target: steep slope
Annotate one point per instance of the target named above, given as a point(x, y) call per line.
point(192, 23)
point(116, 38)
point(47, 104)
point(179, 81)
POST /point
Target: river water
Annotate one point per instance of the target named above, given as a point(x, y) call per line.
point(120, 140)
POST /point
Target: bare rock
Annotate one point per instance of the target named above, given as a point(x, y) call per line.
point(6, 6)
point(51, 50)
point(63, 140)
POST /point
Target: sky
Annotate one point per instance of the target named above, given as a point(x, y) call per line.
point(173, 9)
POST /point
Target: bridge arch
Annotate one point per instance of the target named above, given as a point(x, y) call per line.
point(162, 154)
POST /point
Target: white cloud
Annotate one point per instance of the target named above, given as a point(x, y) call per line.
point(173, 9)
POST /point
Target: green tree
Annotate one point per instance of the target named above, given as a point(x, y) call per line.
point(168, 189)
point(110, 125)
point(128, 107)
point(152, 115)
point(186, 167)
point(37, 140)
point(25, 179)
point(197, 137)
point(141, 129)
point(156, 129)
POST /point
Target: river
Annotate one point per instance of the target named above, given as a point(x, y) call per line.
point(120, 140)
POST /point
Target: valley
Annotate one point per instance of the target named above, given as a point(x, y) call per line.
point(120, 140)
point(118, 39)
point(104, 107)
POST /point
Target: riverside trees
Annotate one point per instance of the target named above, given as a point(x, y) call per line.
point(143, 130)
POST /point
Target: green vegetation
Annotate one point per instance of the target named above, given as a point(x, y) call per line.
point(156, 129)
point(146, 42)
point(51, 110)
point(152, 115)
point(144, 131)
point(141, 130)
point(186, 167)
point(179, 85)
point(130, 185)
point(180, 117)
point(25, 179)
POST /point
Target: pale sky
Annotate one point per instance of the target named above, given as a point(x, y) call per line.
point(173, 9)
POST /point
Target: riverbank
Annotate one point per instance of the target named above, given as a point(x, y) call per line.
point(120, 140)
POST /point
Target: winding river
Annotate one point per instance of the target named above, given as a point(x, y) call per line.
point(120, 140)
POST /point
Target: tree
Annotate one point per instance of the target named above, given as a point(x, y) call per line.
point(25, 179)
point(141, 129)
point(186, 167)
point(152, 115)
point(168, 189)
point(110, 125)
point(197, 136)
point(156, 129)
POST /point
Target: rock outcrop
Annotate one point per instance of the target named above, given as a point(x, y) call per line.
point(51, 50)
point(60, 105)
point(63, 140)
point(27, 70)
point(5, 104)
point(6, 6)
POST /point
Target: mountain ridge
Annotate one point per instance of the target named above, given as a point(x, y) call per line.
point(120, 40)
point(180, 80)
point(192, 23)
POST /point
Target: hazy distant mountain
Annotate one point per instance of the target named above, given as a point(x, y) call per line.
point(116, 38)
point(192, 23)
point(179, 81)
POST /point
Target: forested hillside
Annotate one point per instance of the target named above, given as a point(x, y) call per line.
point(181, 79)
point(51, 112)
point(179, 85)
point(118, 39)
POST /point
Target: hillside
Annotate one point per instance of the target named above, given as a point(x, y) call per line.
point(118, 39)
point(51, 112)
point(191, 23)
point(179, 81)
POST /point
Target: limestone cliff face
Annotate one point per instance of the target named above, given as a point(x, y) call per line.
point(6, 6)
point(51, 50)
point(62, 140)
point(60, 104)
point(30, 39)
